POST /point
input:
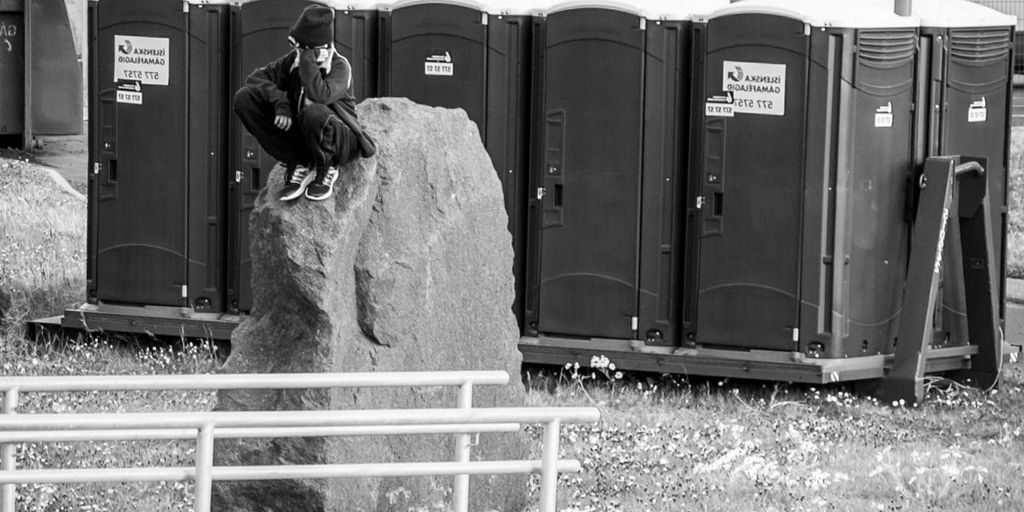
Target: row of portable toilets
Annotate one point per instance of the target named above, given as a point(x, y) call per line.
point(731, 175)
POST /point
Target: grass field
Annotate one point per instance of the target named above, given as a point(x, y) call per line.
point(665, 443)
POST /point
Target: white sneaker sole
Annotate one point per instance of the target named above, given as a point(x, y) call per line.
point(302, 188)
point(330, 192)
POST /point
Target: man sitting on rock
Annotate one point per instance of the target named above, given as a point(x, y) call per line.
point(301, 109)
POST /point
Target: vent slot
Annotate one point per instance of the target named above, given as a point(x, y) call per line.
point(886, 48)
point(979, 45)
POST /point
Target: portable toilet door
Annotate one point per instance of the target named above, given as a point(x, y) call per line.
point(435, 53)
point(157, 153)
point(459, 54)
point(259, 35)
point(807, 159)
point(967, 66)
point(609, 160)
point(356, 36)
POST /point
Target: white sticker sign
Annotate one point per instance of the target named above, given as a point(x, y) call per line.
point(757, 87)
point(129, 91)
point(141, 58)
point(883, 116)
point(439, 64)
point(977, 112)
point(134, 98)
point(720, 105)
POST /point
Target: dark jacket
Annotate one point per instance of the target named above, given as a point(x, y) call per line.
point(281, 83)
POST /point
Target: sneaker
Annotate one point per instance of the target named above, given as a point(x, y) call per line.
point(323, 186)
point(296, 179)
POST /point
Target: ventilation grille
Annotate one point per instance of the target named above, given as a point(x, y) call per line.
point(979, 45)
point(887, 48)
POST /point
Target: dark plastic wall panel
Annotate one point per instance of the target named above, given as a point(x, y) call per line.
point(752, 190)
point(882, 168)
point(259, 34)
point(92, 222)
point(535, 178)
point(507, 127)
point(694, 180)
point(56, 71)
point(12, 72)
point(976, 93)
point(829, 73)
point(663, 214)
point(356, 38)
point(592, 90)
point(418, 33)
point(207, 174)
point(142, 185)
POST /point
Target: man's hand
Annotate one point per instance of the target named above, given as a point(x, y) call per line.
point(283, 122)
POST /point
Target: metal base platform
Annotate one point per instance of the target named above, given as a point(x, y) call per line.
point(746, 364)
point(148, 320)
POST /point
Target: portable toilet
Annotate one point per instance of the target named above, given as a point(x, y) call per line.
point(807, 160)
point(259, 35)
point(157, 141)
point(609, 166)
point(966, 91)
point(12, 67)
point(473, 56)
point(51, 84)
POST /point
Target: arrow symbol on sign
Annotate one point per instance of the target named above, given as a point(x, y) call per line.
point(736, 76)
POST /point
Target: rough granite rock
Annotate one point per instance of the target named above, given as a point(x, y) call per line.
point(407, 267)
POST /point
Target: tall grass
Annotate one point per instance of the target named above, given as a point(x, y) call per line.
point(669, 444)
point(1015, 206)
point(42, 243)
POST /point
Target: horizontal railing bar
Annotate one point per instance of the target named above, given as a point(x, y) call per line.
point(251, 432)
point(491, 467)
point(361, 417)
point(84, 475)
point(250, 381)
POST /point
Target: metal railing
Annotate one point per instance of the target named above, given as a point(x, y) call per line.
point(206, 426)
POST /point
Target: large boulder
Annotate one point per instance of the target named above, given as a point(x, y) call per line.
point(407, 267)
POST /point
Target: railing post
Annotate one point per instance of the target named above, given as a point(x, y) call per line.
point(462, 444)
point(204, 469)
point(549, 466)
point(7, 494)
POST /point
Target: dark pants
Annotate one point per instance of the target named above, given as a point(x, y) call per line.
point(317, 136)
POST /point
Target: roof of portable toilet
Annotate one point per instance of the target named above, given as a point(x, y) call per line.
point(824, 13)
point(243, 2)
point(515, 7)
point(650, 9)
point(469, 4)
point(959, 13)
point(352, 5)
point(510, 7)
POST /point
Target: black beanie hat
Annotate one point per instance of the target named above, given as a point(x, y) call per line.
point(315, 27)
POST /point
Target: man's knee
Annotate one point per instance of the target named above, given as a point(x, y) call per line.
point(246, 100)
point(314, 116)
